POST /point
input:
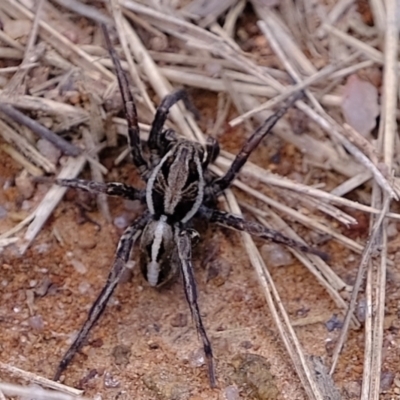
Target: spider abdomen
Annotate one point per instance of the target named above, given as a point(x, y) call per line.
point(157, 248)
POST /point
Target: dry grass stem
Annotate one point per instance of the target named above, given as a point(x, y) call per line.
point(388, 138)
point(40, 394)
point(278, 311)
point(286, 41)
point(71, 169)
point(334, 129)
point(60, 42)
point(303, 219)
point(367, 50)
point(333, 16)
point(351, 184)
point(366, 256)
point(31, 55)
point(378, 11)
point(37, 380)
point(121, 27)
point(17, 116)
point(85, 10)
point(272, 179)
point(20, 159)
point(90, 143)
point(26, 149)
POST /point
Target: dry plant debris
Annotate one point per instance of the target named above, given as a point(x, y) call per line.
point(321, 176)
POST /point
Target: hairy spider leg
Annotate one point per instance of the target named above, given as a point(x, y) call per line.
point(184, 246)
point(212, 147)
point(155, 136)
point(235, 222)
point(110, 188)
point(122, 254)
point(129, 108)
point(220, 184)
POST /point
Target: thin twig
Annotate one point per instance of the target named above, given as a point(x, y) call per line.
point(365, 259)
point(37, 379)
point(66, 147)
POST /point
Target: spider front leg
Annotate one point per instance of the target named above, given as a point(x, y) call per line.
point(130, 110)
point(121, 257)
point(183, 239)
point(110, 188)
point(232, 221)
point(159, 138)
point(220, 184)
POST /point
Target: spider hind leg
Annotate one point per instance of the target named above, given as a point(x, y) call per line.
point(235, 222)
point(183, 239)
point(121, 257)
point(111, 188)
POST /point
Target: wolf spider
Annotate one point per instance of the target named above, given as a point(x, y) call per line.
point(179, 189)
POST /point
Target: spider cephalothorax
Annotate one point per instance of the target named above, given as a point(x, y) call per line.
point(177, 191)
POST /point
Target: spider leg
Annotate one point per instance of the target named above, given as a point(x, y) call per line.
point(121, 257)
point(183, 240)
point(110, 188)
point(156, 133)
point(212, 147)
point(130, 109)
point(232, 221)
point(220, 184)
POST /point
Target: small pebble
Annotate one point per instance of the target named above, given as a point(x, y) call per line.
point(43, 287)
point(392, 230)
point(121, 221)
point(387, 378)
point(42, 248)
point(167, 385)
point(352, 389)
point(83, 287)
point(110, 382)
point(26, 205)
point(253, 376)
point(24, 184)
point(218, 271)
point(231, 393)
point(79, 266)
point(330, 345)
point(86, 242)
point(196, 358)
point(275, 255)
point(333, 323)
point(179, 320)
point(121, 354)
point(36, 322)
point(48, 150)
point(361, 310)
